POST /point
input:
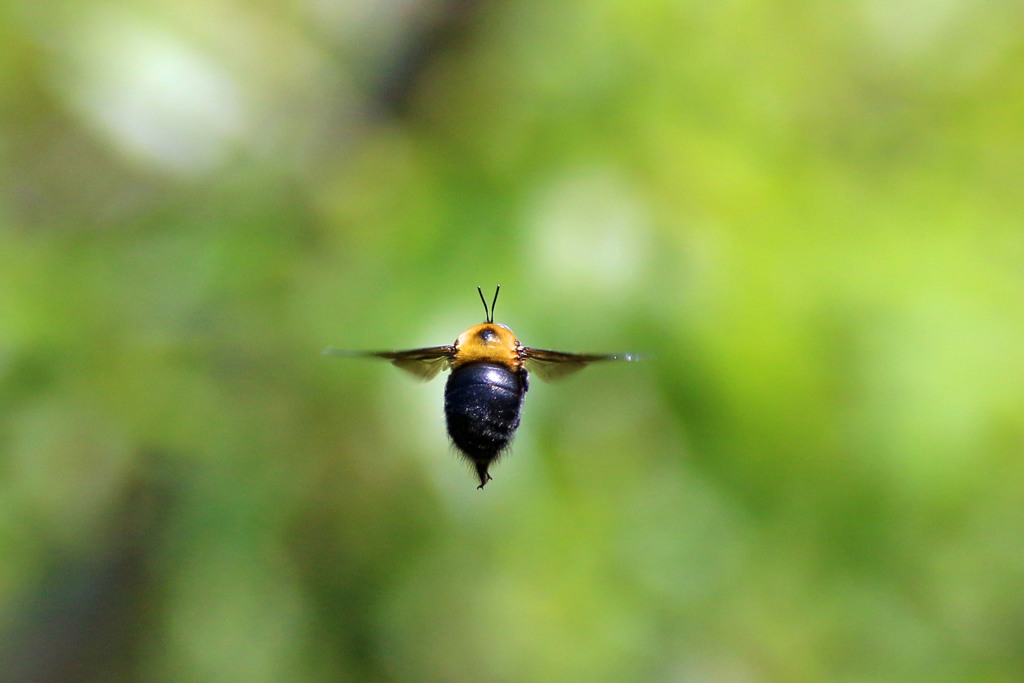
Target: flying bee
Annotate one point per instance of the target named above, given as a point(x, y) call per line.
point(485, 390)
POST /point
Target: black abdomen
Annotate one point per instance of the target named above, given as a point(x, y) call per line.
point(481, 404)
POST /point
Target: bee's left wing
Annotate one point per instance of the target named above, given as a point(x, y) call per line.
point(424, 363)
point(550, 365)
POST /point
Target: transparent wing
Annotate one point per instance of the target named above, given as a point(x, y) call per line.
point(424, 363)
point(551, 365)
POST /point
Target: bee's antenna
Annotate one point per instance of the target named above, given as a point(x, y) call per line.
point(487, 315)
point(496, 290)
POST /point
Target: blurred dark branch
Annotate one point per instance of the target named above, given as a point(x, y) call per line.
point(442, 30)
point(85, 618)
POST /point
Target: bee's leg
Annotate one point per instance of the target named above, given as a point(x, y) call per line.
point(481, 471)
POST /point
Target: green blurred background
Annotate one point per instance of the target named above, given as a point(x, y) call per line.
point(809, 214)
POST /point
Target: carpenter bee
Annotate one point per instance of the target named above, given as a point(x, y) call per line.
point(485, 390)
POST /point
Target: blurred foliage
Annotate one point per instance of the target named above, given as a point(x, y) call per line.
point(807, 214)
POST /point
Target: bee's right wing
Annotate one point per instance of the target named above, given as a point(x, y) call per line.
point(551, 365)
point(424, 363)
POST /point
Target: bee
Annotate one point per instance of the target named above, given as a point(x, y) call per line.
point(484, 393)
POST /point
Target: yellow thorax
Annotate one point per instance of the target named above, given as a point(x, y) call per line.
point(487, 343)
